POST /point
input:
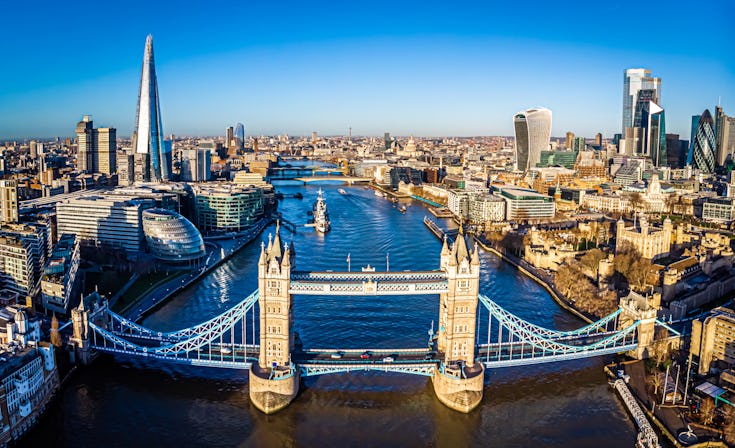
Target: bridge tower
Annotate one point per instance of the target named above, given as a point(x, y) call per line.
point(274, 382)
point(80, 335)
point(636, 307)
point(458, 380)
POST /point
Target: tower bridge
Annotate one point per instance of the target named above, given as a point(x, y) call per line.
point(262, 339)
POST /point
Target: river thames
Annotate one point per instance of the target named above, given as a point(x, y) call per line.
point(124, 402)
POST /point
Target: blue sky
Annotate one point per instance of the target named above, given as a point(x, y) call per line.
point(428, 68)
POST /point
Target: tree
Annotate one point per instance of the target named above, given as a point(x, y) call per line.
point(592, 259)
point(661, 345)
point(636, 201)
point(55, 336)
point(654, 380)
point(669, 202)
point(707, 409)
point(728, 429)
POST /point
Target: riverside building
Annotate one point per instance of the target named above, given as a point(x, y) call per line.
point(58, 284)
point(524, 204)
point(171, 237)
point(104, 220)
point(27, 371)
point(227, 208)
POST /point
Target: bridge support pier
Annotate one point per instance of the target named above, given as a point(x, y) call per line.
point(271, 393)
point(459, 393)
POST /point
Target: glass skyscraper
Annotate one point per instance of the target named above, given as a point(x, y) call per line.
point(703, 147)
point(533, 132)
point(240, 135)
point(148, 135)
point(634, 80)
point(695, 125)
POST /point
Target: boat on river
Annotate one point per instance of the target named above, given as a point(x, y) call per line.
point(341, 191)
point(321, 214)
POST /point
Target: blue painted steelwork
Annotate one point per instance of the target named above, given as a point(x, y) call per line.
point(517, 342)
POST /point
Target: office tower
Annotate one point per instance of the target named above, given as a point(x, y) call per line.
point(598, 139)
point(141, 167)
point(570, 140)
point(634, 80)
point(148, 135)
point(85, 144)
point(313, 137)
point(387, 140)
point(695, 125)
point(32, 147)
point(8, 201)
point(239, 136)
point(719, 116)
point(676, 151)
point(229, 135)
point(724, 136)
point(579, 144)
point(105, 155)
point(125, 167)
point(650, 118)
point(195, 165)
point(532, 131)
point(703, 148)
point(95, 147)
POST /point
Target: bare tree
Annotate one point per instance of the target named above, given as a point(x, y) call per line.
point(707, 409)
point(728, 428)
point(636, 201)
point(592, 260)
point(654, 380)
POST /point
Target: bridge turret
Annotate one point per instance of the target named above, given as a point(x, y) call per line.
point(276, 304)
point(458, 309)
point(80, 332)
point(458, 381)
point(274, 382)
point(636, 307)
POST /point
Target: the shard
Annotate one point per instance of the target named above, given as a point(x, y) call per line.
point(152, 161)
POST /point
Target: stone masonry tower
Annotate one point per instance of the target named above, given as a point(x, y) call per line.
point(458, 307)
point(274, 382)
point(80, 335)
point(458, 380)
point(276, 304)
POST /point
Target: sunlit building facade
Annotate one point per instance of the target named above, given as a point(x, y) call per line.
point(532, 132)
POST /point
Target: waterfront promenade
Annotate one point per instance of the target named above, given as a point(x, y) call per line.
point(223, 249)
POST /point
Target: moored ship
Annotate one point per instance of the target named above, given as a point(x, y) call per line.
point(321, 214)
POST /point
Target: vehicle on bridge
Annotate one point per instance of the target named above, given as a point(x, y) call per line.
point(366, 355)
point(336, 355)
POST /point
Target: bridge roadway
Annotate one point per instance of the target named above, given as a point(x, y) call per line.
point(368, 283)
point(507, 354)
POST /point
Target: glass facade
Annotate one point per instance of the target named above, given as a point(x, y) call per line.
point(703, 146)
point(171, 237)
point(148, 137)
point(532, 132)
point(223, 210)
point(634, 80)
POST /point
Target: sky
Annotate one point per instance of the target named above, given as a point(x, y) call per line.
point(422, 68)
